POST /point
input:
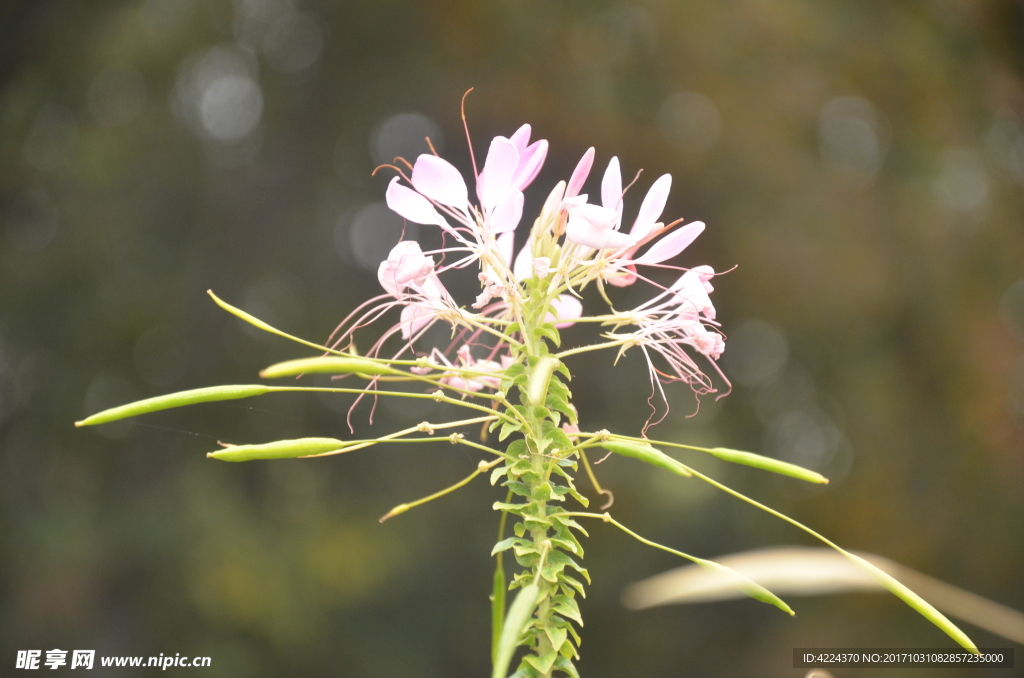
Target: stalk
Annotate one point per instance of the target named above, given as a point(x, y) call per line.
point(538, 471)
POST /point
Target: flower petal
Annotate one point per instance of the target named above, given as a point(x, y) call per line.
point(505, 242)
point(405, 266)
point(413, 206)
point(592, 226)
point(414, 318)
point(530, 161)
point(521, 138)
point(623, 277)
point(567, 309)
point(611, 186)
point(523, 268)
point(672, 244)
point(580, 174)
point(653, 204)
point(438, 180)
point(507, 213)
point(496, 177)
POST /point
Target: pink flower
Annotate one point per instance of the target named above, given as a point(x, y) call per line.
point(492, 372)
point(405, 266)
point(425, 307)
point(594, 226)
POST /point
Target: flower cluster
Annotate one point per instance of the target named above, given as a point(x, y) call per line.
point(574, 242)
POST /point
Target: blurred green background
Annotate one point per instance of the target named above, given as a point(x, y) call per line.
point(860, 164)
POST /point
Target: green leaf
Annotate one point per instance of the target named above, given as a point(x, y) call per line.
point(511, 508)
point(498, 472)
point(551, 332)
point(567, 607)
point(563, 370)
point(558, 403)
point(328, 365)
point(281, 449)
point(565, 664)
point(768, 464)
point(516, 448)
point(518, 488)
point(575, 583)
point(507, 429)
point(504, 545)
point(557, 435)
point(557, 636)
point(180, 399)
point(519, 614)
point(542, 663)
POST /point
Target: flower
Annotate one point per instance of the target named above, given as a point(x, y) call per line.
point(573, 242)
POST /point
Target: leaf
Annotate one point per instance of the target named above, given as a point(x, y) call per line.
point(518, 488)
point(562, 369)
point(498, 472)
point(565, 664)
point(542, 663)
point(568, 545)
point(519, 614)
point(557, 636)
point(543, 492)
point(574, 583)
point(567, 607)
point(551, 332)
point(557, 435)
point(504, 545)
point(281, 449)
point(768, 464)
point(516, 448)
point(507, 429)
point(644, 452)
point(511, 508)
point(180, 399)
point(558, 403)
point(328, 365)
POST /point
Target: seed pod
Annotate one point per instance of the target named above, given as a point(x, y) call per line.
point(164, 402)
point(327, 365)
point(281, 449)
point(645, 452)
point(519, 614)
point(768, 464)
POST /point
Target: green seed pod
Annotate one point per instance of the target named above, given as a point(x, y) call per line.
point(280, 449)
point(164, 402)
point(645, 452)
point(327, 365)
point(519, 614)
point(768, 464)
